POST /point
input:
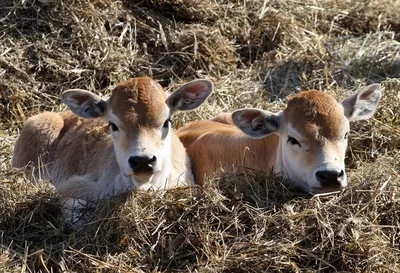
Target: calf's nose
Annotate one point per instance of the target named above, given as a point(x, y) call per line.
point(142, 163)
point(330, 178)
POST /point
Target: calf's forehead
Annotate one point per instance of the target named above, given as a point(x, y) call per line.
point(139, 100)
point(315, 115)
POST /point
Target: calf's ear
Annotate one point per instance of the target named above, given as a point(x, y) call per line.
point(190, 95)
point(255, 122)
point(84, 103)
point(362, 105)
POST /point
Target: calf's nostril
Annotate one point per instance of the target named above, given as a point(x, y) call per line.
point(320, 176)
point(152, 161)
point(340, 177)
point(132, 162)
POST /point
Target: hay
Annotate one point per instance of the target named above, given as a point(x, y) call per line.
point(257, 53)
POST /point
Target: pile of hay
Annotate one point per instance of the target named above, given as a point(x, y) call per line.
point(257, 53)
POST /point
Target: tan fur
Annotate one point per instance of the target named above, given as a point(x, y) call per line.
point(214, 146)
point(315, 115)
point(224, 118)
point(139, 95)
point(35, 146)
point(79, 154)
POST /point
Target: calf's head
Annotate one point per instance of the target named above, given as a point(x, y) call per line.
point(139, 114)
point(313, 132)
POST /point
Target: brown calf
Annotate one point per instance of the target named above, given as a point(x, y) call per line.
point(105, 147)
point(306, 142)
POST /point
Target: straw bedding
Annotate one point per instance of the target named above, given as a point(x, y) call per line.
point(257, 53)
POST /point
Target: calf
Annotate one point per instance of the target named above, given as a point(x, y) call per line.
point(306, 142)
point(106, 147)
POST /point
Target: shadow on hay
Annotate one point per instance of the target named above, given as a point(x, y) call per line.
point(287, 78)
point(371, 70)
point(32, 226)
point(175, 231)
point(258, 189)
point(179, 11)
point(53, 49)
point(26, 20)
point(179, 42)
point(36, 232)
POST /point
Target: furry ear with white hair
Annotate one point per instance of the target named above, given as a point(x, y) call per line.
point(84, 103)
point(190, 95)
point(255, 122)
point(362, 104)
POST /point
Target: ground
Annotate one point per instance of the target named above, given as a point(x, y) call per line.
point(257, 53)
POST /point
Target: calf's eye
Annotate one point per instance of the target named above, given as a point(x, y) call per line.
point(165, 129)
point(113, 127)
point(166, 123)
point(293, 141)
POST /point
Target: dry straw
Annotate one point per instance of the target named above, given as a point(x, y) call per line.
point(257, 53)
